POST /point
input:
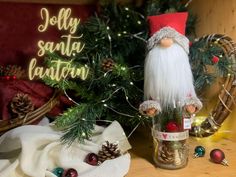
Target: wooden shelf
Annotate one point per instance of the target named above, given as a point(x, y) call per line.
point(143, 166)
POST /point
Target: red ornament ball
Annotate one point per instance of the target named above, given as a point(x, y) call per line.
point(172, 126)
point(215, 59)
point(218, 156)
point(71, 172)
point(14, 77)
point(92, 159)
point(7, 78)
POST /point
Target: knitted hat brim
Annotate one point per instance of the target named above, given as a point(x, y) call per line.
point(168, 32)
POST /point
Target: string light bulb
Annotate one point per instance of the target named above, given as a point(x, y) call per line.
point(105, 74)
point(198, 120)
point(123, 68)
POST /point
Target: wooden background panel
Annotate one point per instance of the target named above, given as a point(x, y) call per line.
point(215, 16)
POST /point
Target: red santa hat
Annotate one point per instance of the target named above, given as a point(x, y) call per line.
point(171, 25)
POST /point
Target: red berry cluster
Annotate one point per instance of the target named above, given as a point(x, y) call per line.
point(7, 78)
point(6, 73)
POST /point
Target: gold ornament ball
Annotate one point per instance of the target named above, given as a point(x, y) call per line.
point(166, 42)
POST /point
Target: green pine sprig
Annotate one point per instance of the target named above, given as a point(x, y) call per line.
point(204, 68)
point(78, 122)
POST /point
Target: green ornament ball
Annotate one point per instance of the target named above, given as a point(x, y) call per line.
point(199, 151)
point(58, 171)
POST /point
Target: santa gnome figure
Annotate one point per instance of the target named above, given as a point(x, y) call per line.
point(168, 80)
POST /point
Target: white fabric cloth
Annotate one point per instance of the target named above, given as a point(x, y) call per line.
point(34, 151)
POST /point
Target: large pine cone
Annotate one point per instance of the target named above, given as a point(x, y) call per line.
point(166, 155)
point(20, 105)
point(108, 64)
point(108, 151)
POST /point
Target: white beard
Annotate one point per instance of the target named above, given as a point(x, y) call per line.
point(168, 77)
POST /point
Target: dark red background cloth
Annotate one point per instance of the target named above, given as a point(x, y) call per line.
point(18, 45)
point(19, 29)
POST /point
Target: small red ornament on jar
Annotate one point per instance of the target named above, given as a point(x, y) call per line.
point(172, 126)
point(218, 156)
point(215, 59)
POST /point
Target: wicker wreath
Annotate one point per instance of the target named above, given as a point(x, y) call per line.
point(31, 117)
point(227, 95)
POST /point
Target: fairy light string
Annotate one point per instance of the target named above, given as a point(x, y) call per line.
point(109, 107)
point(64, 90)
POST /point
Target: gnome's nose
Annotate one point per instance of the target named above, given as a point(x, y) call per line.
point(166, 42)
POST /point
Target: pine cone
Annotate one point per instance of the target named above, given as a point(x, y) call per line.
point(166, 155)
point(108, 151)
point(20, 105)
point(108, 64)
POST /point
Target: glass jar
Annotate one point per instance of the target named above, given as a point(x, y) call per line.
point(170, 140)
